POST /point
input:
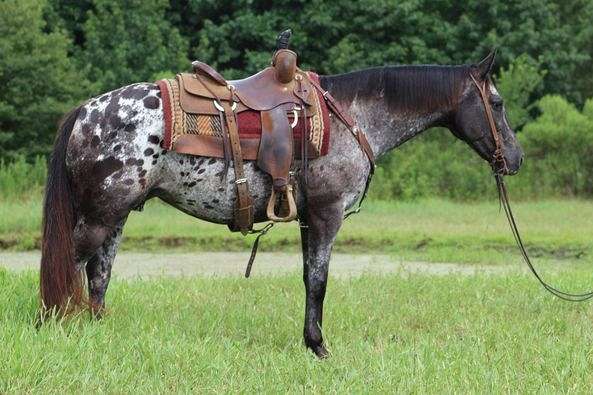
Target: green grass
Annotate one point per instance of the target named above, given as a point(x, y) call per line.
point(431, 230)
point(416, 333)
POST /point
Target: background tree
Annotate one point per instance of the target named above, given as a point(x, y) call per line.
point(38, 80)
point(130, 42)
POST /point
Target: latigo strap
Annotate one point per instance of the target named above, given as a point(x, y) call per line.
point(244, 207)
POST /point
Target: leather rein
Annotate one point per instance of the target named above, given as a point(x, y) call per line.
point(498, 158)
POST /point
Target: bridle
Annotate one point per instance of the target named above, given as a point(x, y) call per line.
point(499, 171)
point(498, 157)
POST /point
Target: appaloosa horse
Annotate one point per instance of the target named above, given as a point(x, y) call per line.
point(108, 160)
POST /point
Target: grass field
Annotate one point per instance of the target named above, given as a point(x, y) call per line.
point(432, 230)
point(416, 333)
point(408, 333)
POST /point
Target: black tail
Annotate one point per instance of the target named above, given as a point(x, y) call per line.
point(61, 284)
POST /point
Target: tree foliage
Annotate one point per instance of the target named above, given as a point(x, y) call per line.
point(131, 41)
point(38, 80)
point(518, 85)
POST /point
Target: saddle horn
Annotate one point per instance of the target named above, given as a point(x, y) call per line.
point(283, 39)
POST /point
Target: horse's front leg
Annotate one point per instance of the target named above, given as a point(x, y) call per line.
point(323, 225)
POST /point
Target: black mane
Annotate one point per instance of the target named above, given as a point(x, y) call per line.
point(418, 88)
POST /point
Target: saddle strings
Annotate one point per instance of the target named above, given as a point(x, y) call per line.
point(505, 203)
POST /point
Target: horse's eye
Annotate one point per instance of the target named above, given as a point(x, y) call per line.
point(497, 104)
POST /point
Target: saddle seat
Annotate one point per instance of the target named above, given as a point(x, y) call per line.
point(260, 92)
point(278, 92)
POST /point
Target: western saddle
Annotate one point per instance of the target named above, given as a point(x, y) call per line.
point(282, 93)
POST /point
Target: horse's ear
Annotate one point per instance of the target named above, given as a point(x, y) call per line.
point(484, 68)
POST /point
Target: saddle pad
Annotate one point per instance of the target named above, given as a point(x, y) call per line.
point(202, 134)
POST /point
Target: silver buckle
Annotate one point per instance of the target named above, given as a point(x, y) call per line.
point(221, 109)
point(295, 120)
point(241, 180)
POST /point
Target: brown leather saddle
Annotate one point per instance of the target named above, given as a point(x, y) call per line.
point(282, 94)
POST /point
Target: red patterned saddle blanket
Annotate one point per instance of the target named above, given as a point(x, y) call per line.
point(195, 132)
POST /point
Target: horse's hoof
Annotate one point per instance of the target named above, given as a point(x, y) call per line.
point(97, 311)
point(321, 352)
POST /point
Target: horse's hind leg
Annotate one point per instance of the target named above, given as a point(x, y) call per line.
point(98, 269)
point(323, 225)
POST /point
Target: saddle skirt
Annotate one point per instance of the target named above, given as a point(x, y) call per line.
point(193, 124)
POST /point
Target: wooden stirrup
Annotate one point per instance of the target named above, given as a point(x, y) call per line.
point(292, 209)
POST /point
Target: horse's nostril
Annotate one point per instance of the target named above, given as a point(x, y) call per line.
point(521, 160)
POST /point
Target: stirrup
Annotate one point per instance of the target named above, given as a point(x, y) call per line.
point(292, 209)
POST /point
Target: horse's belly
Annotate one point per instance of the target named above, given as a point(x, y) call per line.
point(202, 188)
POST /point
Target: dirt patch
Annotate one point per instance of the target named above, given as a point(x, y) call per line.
point(134, 265)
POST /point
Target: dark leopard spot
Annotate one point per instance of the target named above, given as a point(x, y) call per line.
point(155, 156)
point(128, 181)
point(133, 161)
point(113, 107)
point(180, 161)
point(182, 174)
point(112, 135)
point(142, 173)
point(82, 113)
point(191, 184)
point(95, 141)
point(86, 129)
point(151, 102)
point(192, 161)
point(127, 93)
point(185, 184)
point(154, 162)
point(201, 162)
point(215, 201)
point(104, 97)
point(148, 152)
point(207, 206)
point(142, 182)
point(153, 139)
point(201, 171)
point(129, 128)
point(212, 161)
point(221, 189)
point(94, 118)
point(103, 168)
point(116, 122)
point(117, 148)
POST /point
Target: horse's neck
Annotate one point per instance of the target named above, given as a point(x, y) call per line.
point(394, 104)
point(387, 130)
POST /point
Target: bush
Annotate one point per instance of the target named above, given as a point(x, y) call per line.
point(20, 178)
point(436, 164)
point(559, 150)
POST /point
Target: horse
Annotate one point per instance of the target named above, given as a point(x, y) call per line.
point(107, 160)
